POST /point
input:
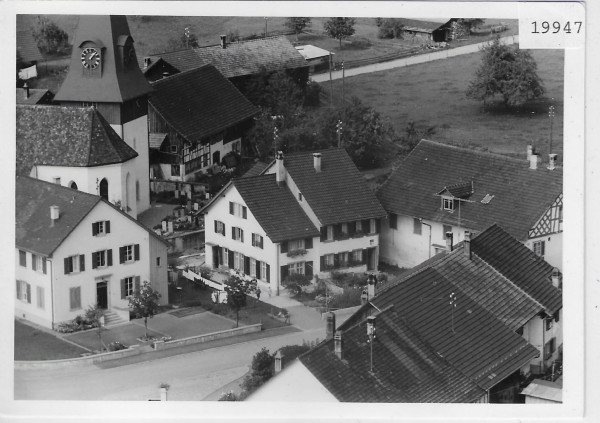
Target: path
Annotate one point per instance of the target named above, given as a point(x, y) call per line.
point(411, 60)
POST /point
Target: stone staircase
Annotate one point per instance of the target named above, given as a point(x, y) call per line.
point(112, 319)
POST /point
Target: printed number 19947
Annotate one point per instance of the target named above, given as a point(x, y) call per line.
point(555, 27)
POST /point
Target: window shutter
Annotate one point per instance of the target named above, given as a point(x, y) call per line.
point(19, 294)
point(224, 231)
point(137, 284)
point(216, 227)
point(366, 226)
point(67, 265)
point(81, 263)
point(109, 257)
point(247, 265)
point(260, 238)
point(121, 255)
point(23, 258)
point(94, 228)
point(34, 262)
point(351, 229)
point(28, 293)
point(231, 262)
point(107, 226)
point(308, 243)
point(364, 255)
point(242, 235)
point(336, 260)
point(284, 272)
point(543, 248)
point(94, 258)
point(322, 263)
point(337, 230)
point(123, 289)
point(244, 212)
point(308, 269)
point(378, 225)
point(284, 247)
point(324, 233)
point(268, 273)
point(230, 207)
point(257, 269)
point(136, 252)
point(44, 265)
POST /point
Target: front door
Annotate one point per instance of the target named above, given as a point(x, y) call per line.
point(102, 294)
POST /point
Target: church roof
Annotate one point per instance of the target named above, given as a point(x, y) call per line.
point(66, 136)
point(118, 83)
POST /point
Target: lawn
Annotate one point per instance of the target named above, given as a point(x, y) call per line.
point(34, 344)
point(433, 94)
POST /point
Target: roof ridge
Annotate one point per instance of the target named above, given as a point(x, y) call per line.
point(272, 37)
point(181, 74)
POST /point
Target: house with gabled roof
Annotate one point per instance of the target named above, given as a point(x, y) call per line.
point(195, 119)
point(440, 191)
point(298, 216)
point(74, 250)
point(76, 147)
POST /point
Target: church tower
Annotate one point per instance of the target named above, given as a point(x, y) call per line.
point(104, 73)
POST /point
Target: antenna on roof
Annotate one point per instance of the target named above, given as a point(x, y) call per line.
point(452, 302)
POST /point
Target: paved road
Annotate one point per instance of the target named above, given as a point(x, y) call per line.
point(192, 376)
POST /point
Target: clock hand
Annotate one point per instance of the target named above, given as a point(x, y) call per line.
point(92, 55)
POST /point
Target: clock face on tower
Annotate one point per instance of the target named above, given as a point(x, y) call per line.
point(90, 58)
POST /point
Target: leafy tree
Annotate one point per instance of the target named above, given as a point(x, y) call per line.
point(50, 38)
point(144, 303)
point(236, 289)
point(297, 25)
point(390, 28)
point(187, 39)
point(94, 315)
point(413, 135)
point(340, 28)
point(507, 71)
point(261, 370)
point(472, 23)
point(291, 352)
point(295, 282)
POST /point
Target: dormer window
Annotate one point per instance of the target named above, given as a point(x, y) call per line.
point(447, 204)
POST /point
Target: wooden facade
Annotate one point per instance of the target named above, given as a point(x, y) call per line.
point(551, 221)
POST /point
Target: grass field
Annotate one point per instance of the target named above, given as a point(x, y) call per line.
point(433, 94)
point(34, 344)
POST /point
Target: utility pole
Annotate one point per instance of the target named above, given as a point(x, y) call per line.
point(266, 32)
point(343, 83)
point(551, 115)
point(330, 81)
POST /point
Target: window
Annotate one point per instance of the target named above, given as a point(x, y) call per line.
point(39, 294)
point(75, 298)
point(175, 170)
point(225, 256)
point(128, 286)
point(22, 258)
point(357, 256)
point(296, 268)
point(328, 260)
point(24, 291)
point(448, 204)
point(102, 259)
point(300, 197)
point(237, 209)
point(101, 228)
point(329, 233)
point(548, 323)
point(359, 226)
point(38, 263)
point(417, 226)
point(549, 348)
point(238, 261)
point(235, 147)
point(297, 244)
point(252, 267)
point(158, 261)
point(129, 253)
point(539, 247)
point(264, 273)
point(173, 148)
point(74, 264)
point(393, 220)
point(219, 227)
point(344, 229)
point(343, 259)
point(445, 229)
point(237, 234)
point(372, 226)
point(257, 240)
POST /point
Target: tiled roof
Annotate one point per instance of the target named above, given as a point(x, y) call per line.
point(405, 368)
point(422, 26)
point(256, 169)
point(200, 103)
point(521, 195)
point(66, 136)
point(239, 58)
point(34, 197)
point(36, 96)
point(33, 200)
point(155, 140)
point(518, 264)
point(467, 336)
point(27, 47)
point(275, 208)
point(338, 193)
point(496, 278)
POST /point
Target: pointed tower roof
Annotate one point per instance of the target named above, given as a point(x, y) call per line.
point(118, 82)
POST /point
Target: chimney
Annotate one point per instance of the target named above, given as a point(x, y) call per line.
point(330, 327)
point(279, 168)
point(371, 283)
point(147, 61)
point(449, 241)
point(223, 41)
point(552, 161)
point(533, 161)
point(364, 297)
point(25, 91)
point(278, 363)
point(529, 151)
point(556, 278)
point(467, 244)
point(54, 214)
point(337, 344)
point(317, 161)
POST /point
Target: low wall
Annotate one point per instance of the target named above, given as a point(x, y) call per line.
point(200, 339)
point(91, 359)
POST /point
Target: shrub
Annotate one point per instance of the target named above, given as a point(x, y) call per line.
point(390, 28)
point(229, 396)
point(291, 352)
point(295, 282)
point(115, 346)
point(262, 369)
point(349, 298)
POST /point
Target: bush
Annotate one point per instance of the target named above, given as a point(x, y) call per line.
point(50, 38)
point(229, 396)
point(291, 352)
point(115, 346)
point(346, 279)
point(349, 298)
point(295, 282)
point(390, 28)
point(79, 323)
point(262, 369)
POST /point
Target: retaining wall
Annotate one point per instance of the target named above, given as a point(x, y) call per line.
point(91, 359)
point(199, 339)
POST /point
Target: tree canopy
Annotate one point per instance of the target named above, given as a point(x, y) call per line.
point(340, 28)
point(236, 289)
point(50, 38)
point(144, 303)
point(297, 24)
point(506, 71)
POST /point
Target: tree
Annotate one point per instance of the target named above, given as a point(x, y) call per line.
point(186, 40)
point(144, 303)
point(94, 315)
point(261, 370)
point(50, 38)
point(507, 71)
point(295, 282)
point(297, 25)
point(236, 289)
point(339, 28)
point(470, 24)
